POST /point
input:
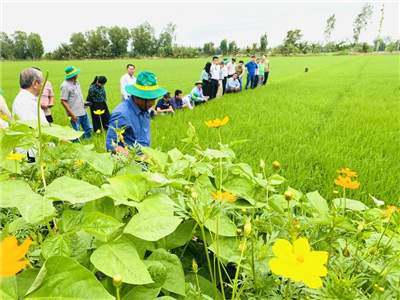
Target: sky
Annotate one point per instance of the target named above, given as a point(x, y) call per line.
point(198, 22)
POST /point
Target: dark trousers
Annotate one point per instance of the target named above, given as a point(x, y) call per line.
point(207, 88)
point(96, 118)
point(251, 80)
point(255, 82)
point(224, 85)
point(265, 77)
point(229, 76)
point(214, 88)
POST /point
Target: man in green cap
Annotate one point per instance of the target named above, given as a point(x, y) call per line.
point(198, 89)
point(132, 114)
point(72, 100)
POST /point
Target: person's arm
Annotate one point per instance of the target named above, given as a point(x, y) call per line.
point(3, 107)
point(123, 84)
point(51, 95)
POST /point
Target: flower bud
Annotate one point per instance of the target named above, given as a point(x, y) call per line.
point(26, 179)
point(247, 228)
point(194, 195)
point(375, 285)
point(44, 165)
point(196, 174)
point(239, 231)
point(276, 165)
point(295, 221)
point(297, 227)
point(195, 267)
point(373, 250)
point(262, 164)
point(242, 247)
point(163, 138)
point(187, 188)
point(277, 281)
point(308, 297)
point(257, 220)
point(361, 227)
point(386, 214)
point(381, 289)
point(335, 193)
point(244, 210)
point(117, 280)
point(288, 195)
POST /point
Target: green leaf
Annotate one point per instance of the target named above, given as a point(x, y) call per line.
point(178, 167)
point(134, 187)
point(121, 258)
point(206, 286)
point(155, 179)
point(9, 288)
point(18, 135)
point(159, 204)
point(175, 154)
point(150, 227)
point(118, 196)
point(100, 162)
point(276, 202)
point(175, 282)
point(25, 280)
point(158, 273)
point(71, 221)
point(321, 219)
point(142, 293)
point(160, 157)
point(240, 187)
point(7, 188)
point(33, 207)
point(78, 248)
point(276, 179)
point(225, 226)
point(319, 203)
point(227, 249)
point(73, 190)
point(18, 224)
point(212, 154)
point(12, 166)
point(61, 132)
point(103, 205)
point(56, 245)
point(101, 226)
point(349, 204)
point(64, 278)
point(132, 168)
point(180, 236)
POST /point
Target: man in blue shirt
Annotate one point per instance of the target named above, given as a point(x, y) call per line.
point(233, 84)
point(130, 120)
point(251, 67)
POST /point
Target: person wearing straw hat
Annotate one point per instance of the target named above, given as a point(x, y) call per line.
point(198, 89)
point(72, 100)
point(132, 114)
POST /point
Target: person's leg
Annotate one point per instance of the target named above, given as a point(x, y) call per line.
point(77, 127)
point(95, 118)
point(266, 77)
point(255, 81)
point(260, 80)
point(212, 89)
point(241, 83)
point(49, 119)
point(86, 126)
point(248, 80)
point(215, 88)
point(224, 85)
point(252, 79)
point(105, 118)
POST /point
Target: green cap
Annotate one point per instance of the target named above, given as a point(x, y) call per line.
point(146, 86)
point(198, 81)
point(71, 72)
point(225, 59)
point(1, 91)
point(194, 96)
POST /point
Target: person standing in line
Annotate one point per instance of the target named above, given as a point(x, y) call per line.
point(224, 74)
point(231, 67)
point(72, 100)
point(260, 72)
point(206, 80)
point(240, 69)
point(266, 69)
point(127, 79)
point(47, 100)
point(251, 68)
point(256, 74)
point(97, 96)
point(221, 79)
point(215, 74)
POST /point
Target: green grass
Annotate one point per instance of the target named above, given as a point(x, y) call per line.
point(342, 113)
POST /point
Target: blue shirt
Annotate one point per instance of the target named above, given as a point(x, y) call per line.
point(251, 68)
point(199, 93)
point(137, 121)
point(232, 83)
point(176, 103)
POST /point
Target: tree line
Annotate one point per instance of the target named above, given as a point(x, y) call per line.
point(115, 42)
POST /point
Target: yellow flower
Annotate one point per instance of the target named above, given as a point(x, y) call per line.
point(98, 131)
point(393, 208)
point(297, 262)
point(69, 118)
point(347, 172)
point(346, 182)
point(44, 165)
point(3, 116)
point(99, 112)
point(217, 122)
point(15, 156)
point(224, 197)
point(78, 162)
point(11, 254)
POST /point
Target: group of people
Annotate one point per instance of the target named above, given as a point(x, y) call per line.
point(138, 97)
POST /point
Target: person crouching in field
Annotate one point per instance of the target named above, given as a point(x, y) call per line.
point(98, 109)
point(133, 115)
point(177, 102)
point(72, 100)
point(206, 80)
point(164, 106)
point(261, 72)
point(198, 89)
point(233, 84)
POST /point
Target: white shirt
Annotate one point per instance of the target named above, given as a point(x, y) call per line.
point(126, 80)
point(224, 71)
point(215, 69)
point(231, 68)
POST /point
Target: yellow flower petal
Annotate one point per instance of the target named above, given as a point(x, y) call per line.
point(282, 249)
point(11, 253)
point(11, 269)
point(317, 257)
point(225, 120)
point(311, 281)
point(301, 247)
point(285, 269)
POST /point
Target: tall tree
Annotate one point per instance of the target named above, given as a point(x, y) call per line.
point(291, 40)
point(166, 39)
point(206, 49)
point(330, 26)
point(119, 38)
point(143, 39)
point(263, 43)
point(6, 46)
point(79, 45)
point(254, 48)
point(223, 47)
point(98, 42)
point(361, 21)
point(35, 45)
point(232, 47)
point(21, 50)
point(380, 27)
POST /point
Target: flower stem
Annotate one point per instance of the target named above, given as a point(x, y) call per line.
point(117, 290)
point(287, 289)
point(238, 269)
point(40, 131)
point(220, 158)
point(208, 260)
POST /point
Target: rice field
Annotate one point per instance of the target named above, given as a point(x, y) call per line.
point(344, 112)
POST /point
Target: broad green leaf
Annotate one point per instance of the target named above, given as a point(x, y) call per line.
point(120, 257)
point(142, 293)
point(103, 205)
point(18, 224)
point(321, 219)
point(227, 249)
point(133, 168)
point(177, 167)
point(157, 204)
point(100, 162)
point(34, 123)
point(155, 179)
point(57, 245)
point(160, 157)
point(100, 225)
point(319, 203)
point(158, 273)
point(64, 278)
point(175, 154)
point(206, 286)
point(134, 187)
point(276, 179)
point(151, 227)
point(7, 188)
point(61, 132)
point(25, 280)
point(33, 207)
point(73, 190)
point(115, 194)
point(13, 166)
point(349, 204)
point(175, 282)
point(240, 187)
point(9, 288)
point(78, 248)
point(346, 226)
point(225, 226)
point(180, 236)
point(71, 221)
point(276, 202)
point(212, 154)
point(18, 135)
